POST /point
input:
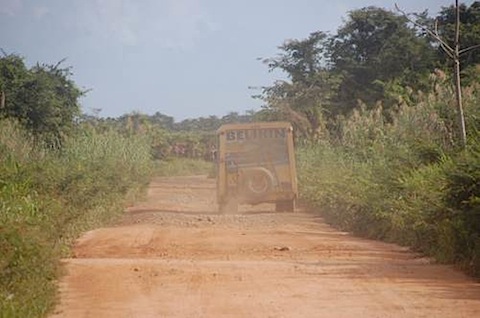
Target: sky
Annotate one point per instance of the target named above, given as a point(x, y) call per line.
point(182, 58)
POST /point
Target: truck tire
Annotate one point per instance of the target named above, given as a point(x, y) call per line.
point(256, 182)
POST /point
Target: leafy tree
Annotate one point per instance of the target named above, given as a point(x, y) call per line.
point(373, 48)
point(301, 60)
point(469, 35)
point(307, 96)
point(166, 122)
point(13, 74)
point(44, 98)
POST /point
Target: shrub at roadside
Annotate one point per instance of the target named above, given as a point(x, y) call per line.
point(400, 179)
point(47, 197)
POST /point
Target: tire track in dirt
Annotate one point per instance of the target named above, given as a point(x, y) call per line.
point(172, 255)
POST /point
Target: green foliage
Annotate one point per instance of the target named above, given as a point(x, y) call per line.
point(48, 196)
point(384, 162)
point(395, 175)
point(469, 32)
point(44, 99)
point(462, 198)
point(301, 60)
point(374, 48)
point(190, 138)
point(374, 57)
point(305, 99)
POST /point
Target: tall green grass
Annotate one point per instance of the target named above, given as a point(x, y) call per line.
point(49, 196)
point(399, 177)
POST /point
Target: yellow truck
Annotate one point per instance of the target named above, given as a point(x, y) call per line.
point(256, 164)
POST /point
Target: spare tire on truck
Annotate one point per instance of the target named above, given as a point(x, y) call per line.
point(256, 182)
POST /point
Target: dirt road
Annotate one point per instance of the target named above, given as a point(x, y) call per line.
point(174, 256)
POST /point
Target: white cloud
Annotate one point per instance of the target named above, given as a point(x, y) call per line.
point(119, 18)
point(182, 23)
point(171, 23)
point(105, 19)
point(10, 7)
point(40, 12)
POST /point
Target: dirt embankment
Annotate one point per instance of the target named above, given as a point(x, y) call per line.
point(174, 256)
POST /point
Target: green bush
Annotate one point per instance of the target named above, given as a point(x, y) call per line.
point(49, 196)
point(397, 176)
point(462, 199)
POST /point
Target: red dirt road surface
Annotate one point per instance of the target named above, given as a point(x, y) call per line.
point(173, 255)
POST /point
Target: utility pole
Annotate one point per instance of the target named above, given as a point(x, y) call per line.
point(458, 84)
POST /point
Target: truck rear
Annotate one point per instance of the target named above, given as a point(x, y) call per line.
point(256, 164)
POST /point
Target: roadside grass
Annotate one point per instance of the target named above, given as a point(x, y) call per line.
point(49, 196)
point(402, 181)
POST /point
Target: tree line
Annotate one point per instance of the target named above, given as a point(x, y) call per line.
point(377, 57)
